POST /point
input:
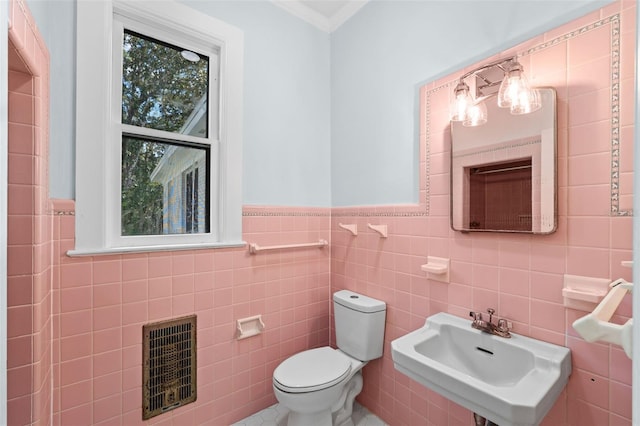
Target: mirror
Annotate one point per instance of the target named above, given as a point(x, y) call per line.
point(503, 173)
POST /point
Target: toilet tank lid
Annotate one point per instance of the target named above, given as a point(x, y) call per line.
point(358, 302)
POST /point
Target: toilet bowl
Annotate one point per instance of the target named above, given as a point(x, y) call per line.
point(318, 386)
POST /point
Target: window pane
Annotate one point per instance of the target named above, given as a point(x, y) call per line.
point(164, 188)
point(164, 87)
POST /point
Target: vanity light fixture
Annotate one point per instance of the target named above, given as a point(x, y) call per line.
point(514, 92)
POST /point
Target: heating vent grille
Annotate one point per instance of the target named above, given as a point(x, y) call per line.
point(169, 369)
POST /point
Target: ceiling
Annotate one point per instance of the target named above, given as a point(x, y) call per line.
point(326, 15)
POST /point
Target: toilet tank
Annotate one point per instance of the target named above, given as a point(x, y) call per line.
point(359, 324)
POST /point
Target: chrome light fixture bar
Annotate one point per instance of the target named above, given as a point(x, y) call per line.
point(514, 92)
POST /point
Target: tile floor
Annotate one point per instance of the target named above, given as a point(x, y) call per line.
point(276, 415)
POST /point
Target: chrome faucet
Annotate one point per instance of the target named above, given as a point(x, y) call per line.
point(501, 329)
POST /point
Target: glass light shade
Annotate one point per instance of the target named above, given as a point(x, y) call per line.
point(461, 102)
point(515, 92)
point(528, 101)
point(511, 86)
point(476, 115)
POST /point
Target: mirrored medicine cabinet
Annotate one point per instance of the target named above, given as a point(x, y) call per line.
point(503, 173)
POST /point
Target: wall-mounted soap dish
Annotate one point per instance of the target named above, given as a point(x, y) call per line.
point(583, 293)
point(438, 268)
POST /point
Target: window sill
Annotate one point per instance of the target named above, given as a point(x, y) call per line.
point(147, 249)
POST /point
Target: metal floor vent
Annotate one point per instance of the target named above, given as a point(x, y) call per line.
point(169, 365)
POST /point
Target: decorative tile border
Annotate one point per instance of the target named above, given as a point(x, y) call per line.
point(422, 209)
point(286, 214)
point(614, 21)
point(251, 211)
point(295, 211)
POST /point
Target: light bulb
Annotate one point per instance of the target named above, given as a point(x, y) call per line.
point(528, 101)
point(515, 92)
point(476, 115)
point(462, 100)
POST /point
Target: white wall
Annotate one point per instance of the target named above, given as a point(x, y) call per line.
point(329, 119)
point(56, 22)
point(286, 98)
point(383, 55)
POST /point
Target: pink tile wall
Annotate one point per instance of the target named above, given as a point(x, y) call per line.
point(75, 325)
point(29, 225)
point(86, 313)
point(100, 304)
point(519, 275)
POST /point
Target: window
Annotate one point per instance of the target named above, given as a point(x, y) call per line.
point(159, 129)
point(192, 208)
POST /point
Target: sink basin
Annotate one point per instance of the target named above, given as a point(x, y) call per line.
point(512, 381)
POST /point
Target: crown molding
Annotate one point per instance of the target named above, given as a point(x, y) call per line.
point(317, 19)
point(344, 14)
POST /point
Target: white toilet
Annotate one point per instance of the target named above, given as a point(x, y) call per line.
point(319, 385)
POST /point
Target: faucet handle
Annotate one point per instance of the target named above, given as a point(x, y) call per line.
point(477, 316)
point(504, 325)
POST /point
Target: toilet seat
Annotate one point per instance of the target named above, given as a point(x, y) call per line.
point(312, 370)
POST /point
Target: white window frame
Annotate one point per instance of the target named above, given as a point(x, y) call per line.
point(99, 128)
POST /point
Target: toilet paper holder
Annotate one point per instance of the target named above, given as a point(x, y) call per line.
point(250, 326)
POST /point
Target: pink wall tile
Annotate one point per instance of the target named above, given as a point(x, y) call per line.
point(220, 285)
point(107, 271)
point(75, 371)
point(107, 408)
point(77, 346)
point(78, 415)
point(75, 274)
point(592, 45)
point(107, 317)
point(590, 388)
point(99, 304)
point(589, 200)
point(588, 262)
point(620, 366)
point(589, 137)
point(134, 268)
point(75, 395)
point(589, 232)
point(620, 399)
point(76, 299)
point(22, 110)
point(107, 362)
point(106, 340)
point(106, 385)
point(520, 276)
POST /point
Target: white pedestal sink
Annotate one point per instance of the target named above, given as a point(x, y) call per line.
point(512, 381)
